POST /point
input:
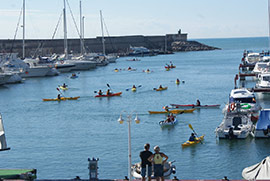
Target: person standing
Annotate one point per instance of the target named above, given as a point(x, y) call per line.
point(157, 159)
point(144, 155)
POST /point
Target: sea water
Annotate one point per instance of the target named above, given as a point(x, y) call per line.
point(57, 138)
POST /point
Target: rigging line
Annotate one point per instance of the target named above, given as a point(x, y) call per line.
point(16, 31)
point(108, 33)
point(57, 25)
point(73, 19)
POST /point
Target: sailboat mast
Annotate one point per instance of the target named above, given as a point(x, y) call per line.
point(269, 24)
point(81, 31)
point(65, 31)
point(23, 47)
point(103, 41)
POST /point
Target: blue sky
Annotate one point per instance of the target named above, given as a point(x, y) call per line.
point(198, 18)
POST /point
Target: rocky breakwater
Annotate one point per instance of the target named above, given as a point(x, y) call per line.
point(178, 46)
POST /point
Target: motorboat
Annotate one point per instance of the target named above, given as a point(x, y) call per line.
point(14, 64)
point(261, 67)
point(246, 99)
point(235, 125)
point(35, 63)
point(264, 80)
point(138, 51)
point(262, 129)
point(169, 169)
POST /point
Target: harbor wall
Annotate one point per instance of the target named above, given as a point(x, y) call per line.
point(113, 44)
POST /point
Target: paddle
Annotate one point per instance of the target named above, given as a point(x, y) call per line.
point(189, 125)
point(132, 87)
point(59, 91)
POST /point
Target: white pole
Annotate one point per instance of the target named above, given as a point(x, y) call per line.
point(103, 41)
point(81, 31)
point(65, 31)
point(23, 48)
point(129, 147)
point(269, 24)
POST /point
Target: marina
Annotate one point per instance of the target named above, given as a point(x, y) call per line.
point(57, 137)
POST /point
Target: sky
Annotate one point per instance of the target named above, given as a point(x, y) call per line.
point(198, 18)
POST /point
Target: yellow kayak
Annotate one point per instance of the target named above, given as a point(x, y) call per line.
point(189, 143)
point(63, 88)
point(161, 89)
point(174, 111)
point(62, 99)
point(133, 89)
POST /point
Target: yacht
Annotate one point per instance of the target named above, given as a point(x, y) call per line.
point(264, 80)
point(35, 63)
point(235, 125)
point(262, 129)
point(245, 98)
point(24, 70)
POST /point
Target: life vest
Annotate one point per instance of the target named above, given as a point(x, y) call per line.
point(158, 159)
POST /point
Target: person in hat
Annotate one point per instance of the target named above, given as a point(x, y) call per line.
point(144, 155)
point(158, 160)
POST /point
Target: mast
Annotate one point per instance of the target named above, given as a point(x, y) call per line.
point(65, 31)
point(269, 23)
point(81, 28)
point(103, 41)
point(23, 47)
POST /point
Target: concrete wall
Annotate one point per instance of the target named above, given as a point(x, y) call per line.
point(116, 44)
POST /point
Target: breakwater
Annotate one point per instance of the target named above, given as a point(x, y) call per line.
point(113, 44)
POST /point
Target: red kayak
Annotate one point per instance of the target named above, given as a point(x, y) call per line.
point(195, 106)
point(110, 95)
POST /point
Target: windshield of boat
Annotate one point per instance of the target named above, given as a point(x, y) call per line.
point(244, 100)
point(266, 78)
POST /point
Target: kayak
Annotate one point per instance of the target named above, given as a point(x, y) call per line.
point(133, 89)
point(174, 111)
point(194, 106)
point(110, 95)
point(170, 67)
point(167, 69)
point(74, 77)
point(164, 123)
point(63, 88)
point(189, 143)
point(161, 89)
point(62, 99)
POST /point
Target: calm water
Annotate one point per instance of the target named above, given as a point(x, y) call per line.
point(56, 138)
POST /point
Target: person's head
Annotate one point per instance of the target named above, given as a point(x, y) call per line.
point(156, 149)
point(192, 134)
point(147, 146)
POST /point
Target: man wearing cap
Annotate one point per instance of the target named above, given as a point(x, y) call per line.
point(144, 155)
point(157, 159)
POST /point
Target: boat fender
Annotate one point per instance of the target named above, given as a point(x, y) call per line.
point(232, 106)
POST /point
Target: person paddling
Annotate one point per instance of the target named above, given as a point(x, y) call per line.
point(192, 137)
point(100, 92)
point(108, 92)
point(58, 96)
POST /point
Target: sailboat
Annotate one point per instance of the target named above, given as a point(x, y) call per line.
point(3, 143)
point(79, 62)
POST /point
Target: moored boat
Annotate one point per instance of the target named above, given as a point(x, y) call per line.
point(168, 169)
point(262, 129)
point(174, 111)
point(110, 95)
point(189, 143)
